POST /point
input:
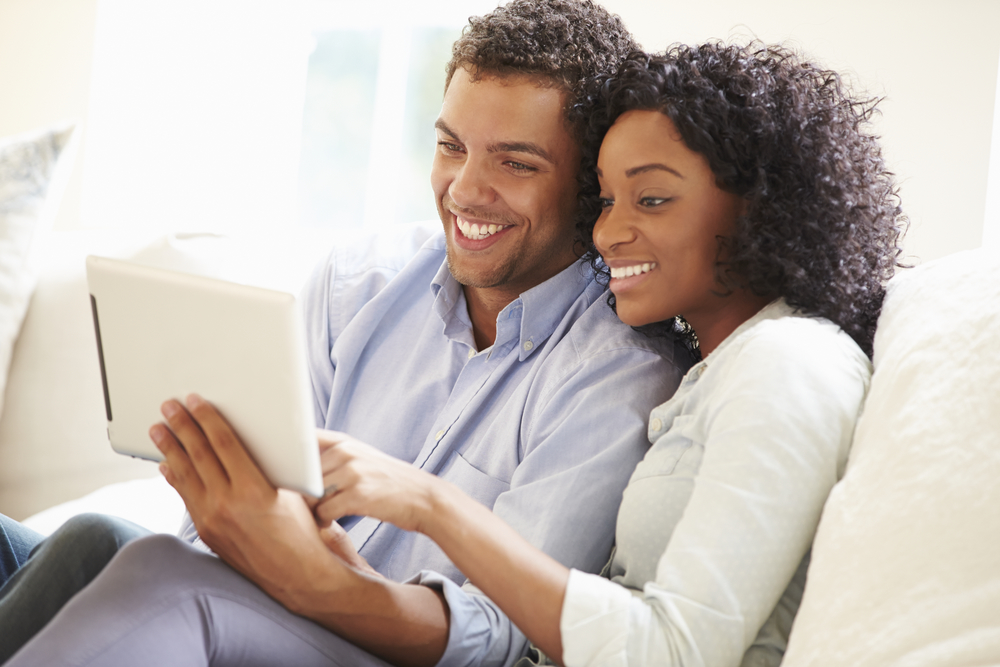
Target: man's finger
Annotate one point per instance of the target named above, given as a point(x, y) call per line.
point(229, 449)
point(179, 472)
point(193, 440)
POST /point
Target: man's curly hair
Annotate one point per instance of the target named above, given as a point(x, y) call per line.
point(560, 42)
point(823, 221)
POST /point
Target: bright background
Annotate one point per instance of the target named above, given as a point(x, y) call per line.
point(230, 115)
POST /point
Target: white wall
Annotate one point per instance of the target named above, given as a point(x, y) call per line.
point(934, 62)
point(991, 224)
point(46, 47)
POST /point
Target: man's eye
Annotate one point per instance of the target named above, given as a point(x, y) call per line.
point(650, 202)
point(605, 202)
point(519, 166)
point(450, 147)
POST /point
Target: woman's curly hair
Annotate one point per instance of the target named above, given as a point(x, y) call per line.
point(564, 42)
point(823, 221)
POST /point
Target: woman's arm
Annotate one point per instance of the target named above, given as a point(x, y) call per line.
point(487, 550)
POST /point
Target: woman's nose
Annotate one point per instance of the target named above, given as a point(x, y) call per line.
point(612, 229)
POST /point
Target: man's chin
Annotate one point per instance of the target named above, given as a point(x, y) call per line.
point(478, 274)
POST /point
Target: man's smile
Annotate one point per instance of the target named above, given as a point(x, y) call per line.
point(478, 231)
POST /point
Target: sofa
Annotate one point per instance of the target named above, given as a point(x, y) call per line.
point(906, 561)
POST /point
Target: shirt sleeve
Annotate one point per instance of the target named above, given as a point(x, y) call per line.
point(350, 276)
point(583, 437)
point(775, 425)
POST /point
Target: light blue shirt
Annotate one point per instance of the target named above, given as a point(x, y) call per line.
point(544, 427)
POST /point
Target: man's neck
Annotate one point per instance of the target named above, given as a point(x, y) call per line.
point(485, 304)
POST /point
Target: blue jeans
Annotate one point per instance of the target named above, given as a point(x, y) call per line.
point(16, 543)
point(39, 575)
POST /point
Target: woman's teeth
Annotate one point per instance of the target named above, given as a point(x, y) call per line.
point(629, 271)
point(478, 232)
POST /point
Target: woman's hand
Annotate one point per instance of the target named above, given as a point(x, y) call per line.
point(362, 480)
point(337, 541)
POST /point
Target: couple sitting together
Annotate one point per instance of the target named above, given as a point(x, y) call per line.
point(497, 426)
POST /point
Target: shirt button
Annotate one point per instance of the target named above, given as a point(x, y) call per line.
point(472, 353)
point(438, 435)
point(528, 345)
point(656, 425)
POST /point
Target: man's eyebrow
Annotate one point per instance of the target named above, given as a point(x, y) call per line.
point(503, 146)
point(520, 147)
point(656, 166)
point(443, 126)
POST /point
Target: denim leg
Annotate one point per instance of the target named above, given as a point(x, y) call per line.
point(16, 543)
point(58, 567)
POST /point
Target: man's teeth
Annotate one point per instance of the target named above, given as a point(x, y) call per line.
point(478, 232)
point(629, 271)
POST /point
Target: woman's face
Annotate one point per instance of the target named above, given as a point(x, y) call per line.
point(659, 229)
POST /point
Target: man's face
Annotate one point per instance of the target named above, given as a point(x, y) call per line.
point(504, 177)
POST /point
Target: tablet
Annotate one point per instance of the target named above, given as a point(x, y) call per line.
point(164, 334)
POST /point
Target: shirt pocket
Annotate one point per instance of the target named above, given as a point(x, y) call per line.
point(474, 482)
point(678, 451)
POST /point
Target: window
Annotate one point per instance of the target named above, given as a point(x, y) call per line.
point(228, 115)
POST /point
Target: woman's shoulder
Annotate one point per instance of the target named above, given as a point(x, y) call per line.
point(784, 333)
point(782, 346)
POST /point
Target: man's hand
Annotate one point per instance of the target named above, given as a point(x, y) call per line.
point(362, 480)
point(272, 538)
point(269, 536)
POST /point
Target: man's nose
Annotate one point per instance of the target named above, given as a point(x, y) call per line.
point(471, 186)
point(613, 228)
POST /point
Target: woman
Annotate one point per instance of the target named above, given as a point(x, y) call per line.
point(739, 205)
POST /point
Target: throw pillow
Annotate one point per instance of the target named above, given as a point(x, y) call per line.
point(27, 166)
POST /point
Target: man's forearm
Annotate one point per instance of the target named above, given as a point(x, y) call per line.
point(404, 624)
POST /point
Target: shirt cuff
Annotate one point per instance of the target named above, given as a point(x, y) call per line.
point(594, 621)
point(478, 634)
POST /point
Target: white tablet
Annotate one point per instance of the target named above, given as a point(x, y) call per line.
point(163, 334)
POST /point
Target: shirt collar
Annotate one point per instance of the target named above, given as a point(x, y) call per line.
point(528, 320)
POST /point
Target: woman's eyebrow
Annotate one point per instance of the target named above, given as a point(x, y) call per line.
point(656, 166)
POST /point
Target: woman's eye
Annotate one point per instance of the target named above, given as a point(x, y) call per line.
point(650, 202)
point(605, 202)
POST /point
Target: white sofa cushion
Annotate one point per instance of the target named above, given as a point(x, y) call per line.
point(906, 562)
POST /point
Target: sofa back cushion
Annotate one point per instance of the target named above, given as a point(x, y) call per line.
point(906, 563)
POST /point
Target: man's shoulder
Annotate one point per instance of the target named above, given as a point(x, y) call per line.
point(598, 331)
point(387, 251)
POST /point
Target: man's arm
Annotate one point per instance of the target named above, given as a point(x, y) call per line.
point(525, 582)
point(582, 433)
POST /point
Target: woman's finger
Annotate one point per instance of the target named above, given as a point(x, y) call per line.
point(338, 542)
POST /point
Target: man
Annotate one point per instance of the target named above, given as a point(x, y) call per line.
point(490, 359)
